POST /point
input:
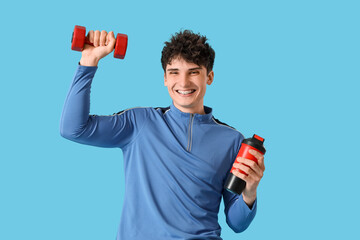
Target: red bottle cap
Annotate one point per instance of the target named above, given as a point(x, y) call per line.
point(256, 142)
point(258, 138)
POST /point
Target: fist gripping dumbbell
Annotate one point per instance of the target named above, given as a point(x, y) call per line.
point(79, 39)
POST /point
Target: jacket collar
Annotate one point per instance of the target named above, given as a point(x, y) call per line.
point(175, 112)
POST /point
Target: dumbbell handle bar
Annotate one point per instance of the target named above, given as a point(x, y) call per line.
point(87, 41)
point(120, 44)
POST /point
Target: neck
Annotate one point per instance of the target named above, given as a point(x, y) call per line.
point(198, 110)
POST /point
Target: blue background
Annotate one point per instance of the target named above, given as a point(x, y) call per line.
point(285, 70)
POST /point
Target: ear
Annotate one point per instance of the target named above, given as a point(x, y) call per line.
point(165, 81)
point(210, 78)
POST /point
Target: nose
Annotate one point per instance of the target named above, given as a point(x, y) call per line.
point(184, 81)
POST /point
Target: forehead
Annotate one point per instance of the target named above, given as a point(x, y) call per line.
point(181, 63)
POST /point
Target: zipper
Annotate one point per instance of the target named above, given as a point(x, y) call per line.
point(190, 132)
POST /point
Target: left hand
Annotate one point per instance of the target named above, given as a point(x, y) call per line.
point(254, 172)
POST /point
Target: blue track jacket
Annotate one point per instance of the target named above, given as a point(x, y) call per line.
point(175, 165)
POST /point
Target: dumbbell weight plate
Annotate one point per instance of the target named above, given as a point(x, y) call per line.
point(78, 38)
point(120, 45)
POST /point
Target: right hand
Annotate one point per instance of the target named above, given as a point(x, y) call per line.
point(104, 44)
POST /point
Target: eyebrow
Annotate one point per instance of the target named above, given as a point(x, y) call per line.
point(190, 69)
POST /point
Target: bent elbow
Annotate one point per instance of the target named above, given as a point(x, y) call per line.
point(239, 228)
point(67, 132)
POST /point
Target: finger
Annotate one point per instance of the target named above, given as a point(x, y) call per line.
point(107, 39)
point(259, 157)
point(256, 154)
point(239, 175)
point(110, 39)
point(245, 161)
point(96, 38)
point(251, 173)
point(239, 166)
point(251, 176)
point(253, 165)
point(240, 160)
point(91, 36)
point(250, 181)
point(103, 37)
point(246, 169)
point(261, 164)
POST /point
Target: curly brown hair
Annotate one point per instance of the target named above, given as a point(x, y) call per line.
point(190, 46)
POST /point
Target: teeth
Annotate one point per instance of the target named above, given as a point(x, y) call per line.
point(185, 92)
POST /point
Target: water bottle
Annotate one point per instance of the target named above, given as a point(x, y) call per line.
point(233, 183)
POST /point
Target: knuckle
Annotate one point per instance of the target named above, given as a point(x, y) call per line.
point(252, 164)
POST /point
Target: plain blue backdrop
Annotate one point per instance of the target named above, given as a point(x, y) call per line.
point(285, 70)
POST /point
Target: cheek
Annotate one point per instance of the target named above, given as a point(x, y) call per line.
point(169, 87)
point(203, 87)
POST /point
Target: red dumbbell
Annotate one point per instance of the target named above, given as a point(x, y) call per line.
point(79, 39)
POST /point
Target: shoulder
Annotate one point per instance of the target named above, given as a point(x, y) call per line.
point(227, 128)
point(230, 135)
point(143, 111)
point(135, 110)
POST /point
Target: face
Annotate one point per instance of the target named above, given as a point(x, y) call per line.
point(186, 83)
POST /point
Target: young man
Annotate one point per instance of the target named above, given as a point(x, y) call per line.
point(176, 159)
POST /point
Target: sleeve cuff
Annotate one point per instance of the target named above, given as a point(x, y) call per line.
point(86, 69)
point(245, 206)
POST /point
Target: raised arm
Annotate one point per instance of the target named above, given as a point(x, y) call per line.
point(76, 124)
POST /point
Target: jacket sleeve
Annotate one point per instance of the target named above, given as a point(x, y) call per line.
point(238, 214)
point(76, 124)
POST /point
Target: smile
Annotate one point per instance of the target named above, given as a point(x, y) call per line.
point(187, 92)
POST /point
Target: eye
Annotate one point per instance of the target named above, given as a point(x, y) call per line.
point(194, 72)
point(173, 72)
